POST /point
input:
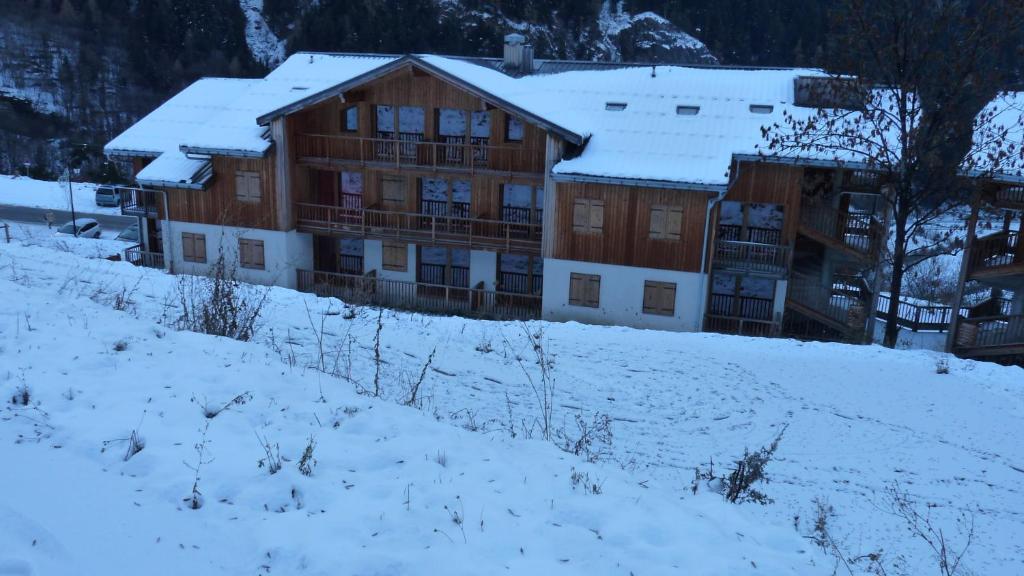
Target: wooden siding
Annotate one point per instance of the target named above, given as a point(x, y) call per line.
point(219, 205)
point(320, 186)
point(625, 237)
point(770, 184)
point(409, 87)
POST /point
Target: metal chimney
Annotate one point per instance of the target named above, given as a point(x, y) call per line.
point(518, 58)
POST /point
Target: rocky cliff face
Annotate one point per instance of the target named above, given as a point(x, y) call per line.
point(73, 75)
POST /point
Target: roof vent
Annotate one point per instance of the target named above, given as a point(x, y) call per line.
point(687, 110)
point(762, 108)
point(518, 58)
point(615, 106)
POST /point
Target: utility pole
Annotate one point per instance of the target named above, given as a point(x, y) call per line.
point(71, 198)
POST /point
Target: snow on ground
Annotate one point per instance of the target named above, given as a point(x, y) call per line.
point(22, 191)
point(263, 44)
point(40, 235)
point(392, 490)
point(858, 417)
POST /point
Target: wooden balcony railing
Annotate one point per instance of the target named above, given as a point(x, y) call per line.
point(441, 275)
point(1011, 195)
point(917, 317)
point(740, 326)
point(990, 332)
point(372, 291)
point(755, 257)
point(139, 257)
point(350, 264)
point(996, 251)
point(520, 283)
point(747, 307)
point(753, 234)
point(858, 232)
point(476, 233)
point(444, 208)
point(411, 150)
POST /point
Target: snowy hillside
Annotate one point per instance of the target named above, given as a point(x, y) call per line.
point(465, 484)
point(390, 490)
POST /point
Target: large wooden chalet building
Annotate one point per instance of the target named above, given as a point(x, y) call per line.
point(513, 188)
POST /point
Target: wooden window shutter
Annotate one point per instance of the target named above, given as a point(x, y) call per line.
point(241, 186)
point(593, 291)
point(257, 249)
point(255, 187)
point(584, 290)
point(188, 250)
point(395, 256)
point(596, 215)
point(199, 247)
point(580, 215)
point(243, 253)
point(674, 223)
point(657, 221)
point(659, 298)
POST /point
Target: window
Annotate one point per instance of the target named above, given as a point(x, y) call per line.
point(615, 106)
point(584, 290)
point(687, 110)
point(761, 108)
point(393, 193)
point(395, 257)
point(247, 186)
point(250, 253)
point(666, 222)
point(513, 129)
point(351, 185)
point(193, 247)
point(659, 298)
point(588, 216)
point(350, 119)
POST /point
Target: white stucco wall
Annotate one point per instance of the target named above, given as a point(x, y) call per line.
point(622, 296)
point(283, 252)
point(483, 267)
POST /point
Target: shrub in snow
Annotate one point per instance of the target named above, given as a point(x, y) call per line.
point(748, 471)
point(211, 411)
point(135, 445)
point(414, 390)
point(578, 479)
point(594, 439)
point(120, 346)
point(272, 460)
point(22, 396)
point(219, 304)
point(307, 462)
point(195, 500)
point(942, 366)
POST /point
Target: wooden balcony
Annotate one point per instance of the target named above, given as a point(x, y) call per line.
point(990, 336)
point(139, 257)
point(474, 233)
point(139, 202)
point(853, 233)
point(412, 151)
point(369, 290)
point(740, 326)
point(999, 254)
point(751, 257)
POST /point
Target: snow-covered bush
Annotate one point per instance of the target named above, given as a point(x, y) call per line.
point(219, 304)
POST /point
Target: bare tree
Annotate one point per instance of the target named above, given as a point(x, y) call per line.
point(915, 94)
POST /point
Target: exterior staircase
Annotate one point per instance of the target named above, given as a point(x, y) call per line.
point(837, 312)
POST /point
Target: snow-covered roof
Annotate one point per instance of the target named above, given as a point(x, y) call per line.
point(160, 133)
point(678, 125)
point(236, 131)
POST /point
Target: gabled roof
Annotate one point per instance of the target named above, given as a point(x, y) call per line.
point(486, 83)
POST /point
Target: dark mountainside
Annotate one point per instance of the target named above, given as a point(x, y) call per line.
point(73, 73)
